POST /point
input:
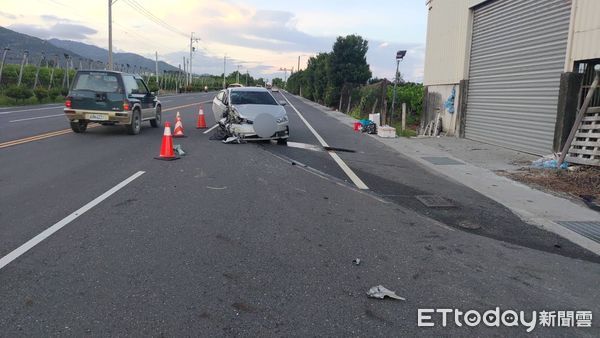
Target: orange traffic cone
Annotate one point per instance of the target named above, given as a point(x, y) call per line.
point(166, 148)
point(201, 124)
point(178, 132)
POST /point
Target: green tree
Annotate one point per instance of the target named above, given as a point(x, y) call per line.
point(277, 82)
point(40, 93)
point(348, 65)
point(18, 92)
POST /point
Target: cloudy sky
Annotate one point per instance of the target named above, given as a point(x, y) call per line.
point(260, 36)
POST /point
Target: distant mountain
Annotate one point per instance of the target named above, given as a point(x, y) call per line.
point(97, 53)
point(18, 43)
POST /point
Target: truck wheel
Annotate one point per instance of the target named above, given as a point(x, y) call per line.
point(155, 123)
point(136, 123)
point(79, 126)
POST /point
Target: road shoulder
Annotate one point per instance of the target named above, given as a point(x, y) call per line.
point(532, 206)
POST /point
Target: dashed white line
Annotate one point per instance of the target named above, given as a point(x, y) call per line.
point(51, 230)
point(355, 179)
point(36, 118)
point(26, 110)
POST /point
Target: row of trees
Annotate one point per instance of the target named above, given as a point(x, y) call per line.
point(341, 79)
point(328, 73)
point(48, 83)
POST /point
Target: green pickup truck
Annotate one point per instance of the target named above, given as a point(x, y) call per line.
point(110, 98)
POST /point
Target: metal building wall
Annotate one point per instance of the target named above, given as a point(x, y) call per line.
point(517, 55)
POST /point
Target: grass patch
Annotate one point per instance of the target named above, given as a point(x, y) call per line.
point(9, 102)
point(403, 133)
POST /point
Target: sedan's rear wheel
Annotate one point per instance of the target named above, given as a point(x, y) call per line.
point(79, 126)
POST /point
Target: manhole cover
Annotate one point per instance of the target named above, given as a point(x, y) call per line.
point(434, 201)
point(441, 160)
point(469, 225)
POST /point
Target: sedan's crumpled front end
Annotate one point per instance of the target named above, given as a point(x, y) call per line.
point(254, 123)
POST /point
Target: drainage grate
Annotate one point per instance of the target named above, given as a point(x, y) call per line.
point(434, 201)
point(590, 230)
point(441, 160)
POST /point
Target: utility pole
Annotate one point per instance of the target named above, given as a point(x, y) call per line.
point(25, 53)
point(298, 62)
point(110, 56)
point(192, 49)
point(185, 69)
point(246, 78)
point(399, 57)
point(284, 76)
point(224, 66)
point(189, 73)
point(6, 49)
point(156, 65)
point(237, 79)
point(177, 80)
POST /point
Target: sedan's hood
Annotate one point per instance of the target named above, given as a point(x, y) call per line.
point(251, 111)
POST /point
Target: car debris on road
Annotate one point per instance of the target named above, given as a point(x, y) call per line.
point(381, 292)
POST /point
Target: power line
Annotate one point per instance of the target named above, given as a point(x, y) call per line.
point(148, 41)
point(136, 6)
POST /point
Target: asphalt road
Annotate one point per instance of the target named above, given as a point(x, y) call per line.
point(256, 239)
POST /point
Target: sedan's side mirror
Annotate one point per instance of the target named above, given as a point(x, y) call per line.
point(283, 103)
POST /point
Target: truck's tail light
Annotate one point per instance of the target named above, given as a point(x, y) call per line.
point(68, 102)
point(126, 105)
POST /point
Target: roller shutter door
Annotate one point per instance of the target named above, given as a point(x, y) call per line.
point(517, 55)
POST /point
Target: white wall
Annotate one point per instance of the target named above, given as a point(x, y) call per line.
point(584, 33)
point(445, 51)
point(443, 92)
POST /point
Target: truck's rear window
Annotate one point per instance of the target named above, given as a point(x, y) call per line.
point(97, 82)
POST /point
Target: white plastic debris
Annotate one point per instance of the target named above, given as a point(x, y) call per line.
point(232, 139)
point(356, 261)
point(179, 150)
point(381, 292)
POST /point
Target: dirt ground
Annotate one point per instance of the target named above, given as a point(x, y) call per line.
point(582, 183)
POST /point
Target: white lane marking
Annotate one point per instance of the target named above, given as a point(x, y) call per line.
point(26, 110)
point(304, 146)
point(211, 128)
point(355, 179)
point(166, 101)
point(51, 230)
point(35, 118)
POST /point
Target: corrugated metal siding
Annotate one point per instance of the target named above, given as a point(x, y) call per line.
point(517, 55)
point(586, 34)
point(446, 47)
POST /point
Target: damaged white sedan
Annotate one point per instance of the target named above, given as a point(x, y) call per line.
point(250, 113)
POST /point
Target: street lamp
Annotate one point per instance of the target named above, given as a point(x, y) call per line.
point(399, 57)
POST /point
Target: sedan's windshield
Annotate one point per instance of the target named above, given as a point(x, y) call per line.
point(248, 97)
